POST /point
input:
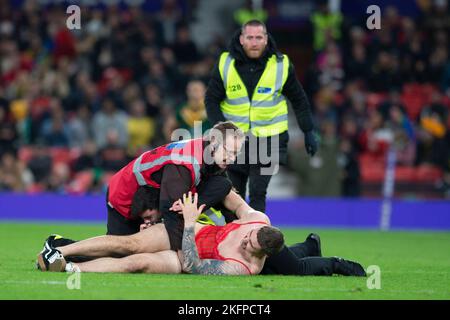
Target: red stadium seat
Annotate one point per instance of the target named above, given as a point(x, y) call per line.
point(60, 154)
point(415, 97)
point(428, 173)
point(372, 173)
point(81, 182)
point(36, 188)
point(372, 168)
point(414, 103)
point(25, 154)
point(375, 99)
point(405, 174)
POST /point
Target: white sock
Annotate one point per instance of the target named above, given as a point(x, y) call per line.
point(72, 267)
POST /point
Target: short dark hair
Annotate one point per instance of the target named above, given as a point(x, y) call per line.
point(222, 129)
point(270, 239)
point(254, 23)
point(144, 198)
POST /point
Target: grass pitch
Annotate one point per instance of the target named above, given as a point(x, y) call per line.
point(414, 265)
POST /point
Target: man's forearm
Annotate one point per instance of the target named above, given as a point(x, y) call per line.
point(293, 90)
point(214, 95)
point(175, 182)
point(214, 113)
point(235, 203)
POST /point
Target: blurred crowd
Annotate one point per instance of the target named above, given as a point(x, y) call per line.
point(376, 89)
point(77, 105)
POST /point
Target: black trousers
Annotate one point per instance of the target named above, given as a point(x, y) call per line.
point(297, 260)
point(118, 225)
point(240, 174)
point(257, 163)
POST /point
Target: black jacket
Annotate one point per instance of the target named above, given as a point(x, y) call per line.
point(250, 71)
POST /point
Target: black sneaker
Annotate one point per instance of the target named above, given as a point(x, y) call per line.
point(55, 241)
point(348, 268)
point(315, 237)
point(50, 259)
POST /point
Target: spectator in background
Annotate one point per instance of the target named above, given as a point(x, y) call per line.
point(433, 136)
point(59, 178)
point(109, 117)
point(193, 110)
point(54, 131)
point(355, 104)
point(404, 138)
point(14, 176)
point(251, 10)
point(185, 50)
point(319, 175)
point(331, 72)
point(173, 71)
point(153, 101)
point(113, 155)
point(157, 76)
point(393, 100)
point(112, 86)
point(382, 40)
point(350, 132)
point(348, 161)
point(437, 63)
point(415, 59)
point(384, 74)
point(169, 16)
point(8, 132)
point(375, 138)
point(323, 105)
point(79, 127)
point(147, 55)
point(82, 91)
point(40, 165)
point(131, 93)
point(88, 158)
point(357, 67)
point(141, 129)
point(437, 17)
point(326, 25)
point(63, 39)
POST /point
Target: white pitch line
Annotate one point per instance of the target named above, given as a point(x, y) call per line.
point(33, 282)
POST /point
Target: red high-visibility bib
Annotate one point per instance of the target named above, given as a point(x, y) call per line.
point(123, 185)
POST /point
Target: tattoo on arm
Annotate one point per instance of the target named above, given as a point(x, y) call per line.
point(193, 264)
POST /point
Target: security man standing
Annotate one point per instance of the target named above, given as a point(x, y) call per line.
point(250, 86)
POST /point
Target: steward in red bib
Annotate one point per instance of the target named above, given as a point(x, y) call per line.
point(139, 172)
point(196, 165)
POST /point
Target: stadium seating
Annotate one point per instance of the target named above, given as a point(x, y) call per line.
point(81, 182)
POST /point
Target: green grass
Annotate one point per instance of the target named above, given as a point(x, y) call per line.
point(414, 265)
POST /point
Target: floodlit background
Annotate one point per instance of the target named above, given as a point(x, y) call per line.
point(77, 105)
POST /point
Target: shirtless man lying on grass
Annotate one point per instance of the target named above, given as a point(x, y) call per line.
point(237, 248)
